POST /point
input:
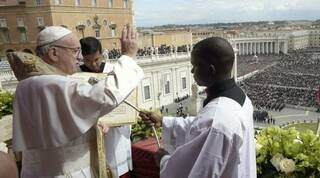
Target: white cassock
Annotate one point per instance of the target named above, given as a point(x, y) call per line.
point(218, 143)
point(118, 145)
point(118, 150)
point(54, 117)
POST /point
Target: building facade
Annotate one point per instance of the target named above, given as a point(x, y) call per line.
point(166, 79)
point(314, 38)
point(299, 39)
point(260, 45)
point(20, 22)
point(264, 41)
point(156, 39)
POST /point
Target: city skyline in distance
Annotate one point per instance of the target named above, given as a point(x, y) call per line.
point(157, 13)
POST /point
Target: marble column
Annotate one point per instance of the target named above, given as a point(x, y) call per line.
point(247, 48)
point(252, 48)
point(277, 47)
point(285, 50)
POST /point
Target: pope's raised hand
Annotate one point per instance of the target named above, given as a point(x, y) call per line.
point(129, 41)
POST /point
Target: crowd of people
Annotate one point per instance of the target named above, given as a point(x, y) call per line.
point(146, 51)
point(294, 80)
point(295, 70)
point(179, 112)
point(114, 54)
point(275, 98)
point(179, 99)
point(263, 117)
point(247, 64)
point(149, 51)
point(275, 76)
point(303, 63)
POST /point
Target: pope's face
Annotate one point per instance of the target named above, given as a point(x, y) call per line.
point(69, 54)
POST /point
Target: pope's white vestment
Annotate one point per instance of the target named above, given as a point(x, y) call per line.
point(54, 117)
point(118, 144)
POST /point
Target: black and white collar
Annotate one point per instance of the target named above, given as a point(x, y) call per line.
point(225, 88)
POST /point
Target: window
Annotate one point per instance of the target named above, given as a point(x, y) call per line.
point(58, 2)
point(166, 81)
point(167, 87)
point(97, 33)
point(40, 21)
point(110, 3)
point(38, 2)
point(113, 32)
point(125, 4)
point(5, 36)
point(183, 76)
point(146, 91)
point(184, 82)
point(3, 23)
point(94, 3)
point(77, 2)
point(23, 35)
point(20, 22)
point(88, 22)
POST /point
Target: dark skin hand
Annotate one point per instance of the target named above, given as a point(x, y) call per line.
point(151, 118)
point(154, 119)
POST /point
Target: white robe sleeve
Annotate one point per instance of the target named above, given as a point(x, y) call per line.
point(52, 110)
point(211, 154)
point(174, 131)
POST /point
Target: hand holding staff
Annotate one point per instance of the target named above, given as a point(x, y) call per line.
point(148, 118)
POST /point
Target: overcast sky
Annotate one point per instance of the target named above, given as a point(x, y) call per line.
point(160, 12)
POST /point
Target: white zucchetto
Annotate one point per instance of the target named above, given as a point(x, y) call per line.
point(51, 34)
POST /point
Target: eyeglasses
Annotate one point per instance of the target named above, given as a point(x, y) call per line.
point(75, 51)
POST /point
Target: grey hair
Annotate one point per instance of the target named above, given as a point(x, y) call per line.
point(42, 51)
